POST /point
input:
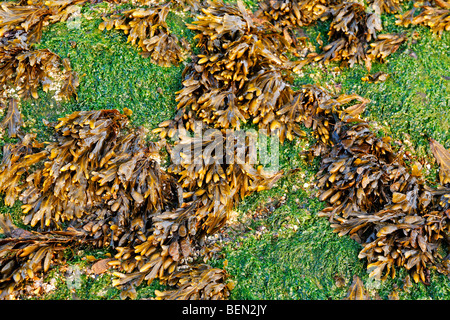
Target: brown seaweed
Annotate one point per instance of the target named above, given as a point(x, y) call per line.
point(26, 69)
point(385, 6)
point(352, 28)
point(436, 16)
point(147, 28)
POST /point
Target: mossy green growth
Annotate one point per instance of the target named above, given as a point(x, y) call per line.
point(291, 254)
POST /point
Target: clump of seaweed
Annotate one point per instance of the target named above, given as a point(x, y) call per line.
point(13, 119)
point(198, 283)
point(103, 180)
point(31, 16)
point(385, 45)
point(100, 179)
point(436, 16)
point(24, 69)
point(296, 13)
point(213, 179)
point(241, 74)
point(147, 28)
point(352, 28)
point(388, 6)
point(24, 254)
point(381, 203)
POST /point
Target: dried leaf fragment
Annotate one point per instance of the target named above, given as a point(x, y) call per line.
point(101, 266)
